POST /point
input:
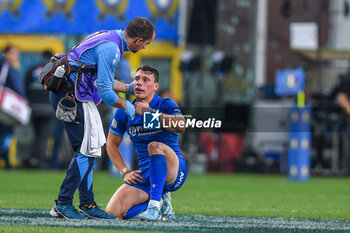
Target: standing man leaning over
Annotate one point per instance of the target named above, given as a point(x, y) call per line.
point(99, 53)
point(162, 169)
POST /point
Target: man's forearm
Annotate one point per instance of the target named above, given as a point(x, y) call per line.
point(117, 158)
point(128, 108)
point(121, 87)
point(121, 103)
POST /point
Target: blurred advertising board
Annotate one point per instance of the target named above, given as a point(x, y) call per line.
point(78, 17)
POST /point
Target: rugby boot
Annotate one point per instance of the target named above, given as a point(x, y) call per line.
point(167, 211)
point(151, 214)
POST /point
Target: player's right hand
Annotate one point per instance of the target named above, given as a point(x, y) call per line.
point(141, 107)
point(133, 177)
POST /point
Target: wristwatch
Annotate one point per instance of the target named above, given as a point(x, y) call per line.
point(123, 171)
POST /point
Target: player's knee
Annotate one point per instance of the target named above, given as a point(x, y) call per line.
point(154, 148)
point(113, 211)
point(109, 210)
point(113, 207)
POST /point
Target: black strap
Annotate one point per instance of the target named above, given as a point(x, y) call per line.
point(80, 70)
point(68, 87)
point(83, 69)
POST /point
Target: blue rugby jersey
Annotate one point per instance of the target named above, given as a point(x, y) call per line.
point(140, 136)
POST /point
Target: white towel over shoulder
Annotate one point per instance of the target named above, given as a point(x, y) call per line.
point(94, 137)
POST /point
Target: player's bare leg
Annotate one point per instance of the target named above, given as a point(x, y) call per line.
point(163, 169)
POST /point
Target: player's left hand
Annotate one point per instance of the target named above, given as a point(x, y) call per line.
point(141, 107)
point(133, 177)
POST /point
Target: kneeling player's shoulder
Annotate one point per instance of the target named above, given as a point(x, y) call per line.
point(120, 114)
point(169, 106)
point(168, 102)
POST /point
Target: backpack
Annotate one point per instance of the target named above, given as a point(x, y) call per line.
point(50, 81)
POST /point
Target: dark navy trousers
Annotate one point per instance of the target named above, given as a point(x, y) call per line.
point(80, 171)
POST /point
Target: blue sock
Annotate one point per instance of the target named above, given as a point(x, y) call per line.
point(157, 175)
point(135, 210)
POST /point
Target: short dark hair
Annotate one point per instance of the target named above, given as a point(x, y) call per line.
point(140, 27)
point(151, 69)
point(45, 56)
point(8, 48)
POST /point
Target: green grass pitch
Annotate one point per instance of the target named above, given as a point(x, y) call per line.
point(214, 202)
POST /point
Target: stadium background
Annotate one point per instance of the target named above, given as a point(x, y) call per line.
point(218, 58)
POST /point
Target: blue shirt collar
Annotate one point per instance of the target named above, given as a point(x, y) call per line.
point(154, 101)
point(125, 44)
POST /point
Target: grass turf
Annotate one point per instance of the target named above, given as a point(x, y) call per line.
point(184, 223)
point(43, 229)
point(213, 194)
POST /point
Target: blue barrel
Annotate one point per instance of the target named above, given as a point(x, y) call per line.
point(299, 153)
